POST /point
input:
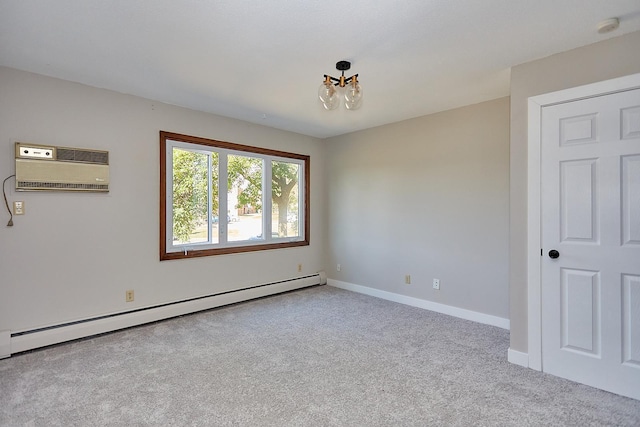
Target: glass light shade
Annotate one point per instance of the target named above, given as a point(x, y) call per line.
point(353, 95)
point(329, 96)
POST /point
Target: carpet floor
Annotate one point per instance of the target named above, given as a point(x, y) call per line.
point(314, 357)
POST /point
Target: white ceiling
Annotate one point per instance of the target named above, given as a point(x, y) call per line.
point(263, 61)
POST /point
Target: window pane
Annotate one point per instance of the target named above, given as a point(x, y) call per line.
point(190, 196)
point(215, 218)
point(244, 199)
point(285, 199)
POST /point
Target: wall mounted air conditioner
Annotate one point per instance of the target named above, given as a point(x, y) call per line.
point(40, 167)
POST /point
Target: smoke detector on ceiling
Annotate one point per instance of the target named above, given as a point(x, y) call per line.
point(608, 25)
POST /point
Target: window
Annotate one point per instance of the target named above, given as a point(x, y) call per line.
point(219, 198)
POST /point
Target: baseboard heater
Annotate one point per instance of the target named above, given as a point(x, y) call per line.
point(55, 334)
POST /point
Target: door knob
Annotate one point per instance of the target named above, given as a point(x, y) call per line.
point(553, 254)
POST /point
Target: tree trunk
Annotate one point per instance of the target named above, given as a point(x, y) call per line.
point(282, 218)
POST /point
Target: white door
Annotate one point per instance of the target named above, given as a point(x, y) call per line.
point(590, 166)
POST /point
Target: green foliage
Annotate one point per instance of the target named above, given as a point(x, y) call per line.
point(246, 174)
point(190, 191)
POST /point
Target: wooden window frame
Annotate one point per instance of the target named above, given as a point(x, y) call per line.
point(194, 251)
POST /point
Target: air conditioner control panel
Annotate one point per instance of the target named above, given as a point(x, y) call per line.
point(35, 152)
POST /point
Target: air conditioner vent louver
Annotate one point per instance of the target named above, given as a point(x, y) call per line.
point(48, 168)
point(85, 156)
point(61, 186)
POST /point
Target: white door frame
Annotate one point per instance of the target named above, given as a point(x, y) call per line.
point(534, 229)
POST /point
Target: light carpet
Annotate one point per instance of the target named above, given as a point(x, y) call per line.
point(315, 357)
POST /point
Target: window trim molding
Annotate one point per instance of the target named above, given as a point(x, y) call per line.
point(232, 249)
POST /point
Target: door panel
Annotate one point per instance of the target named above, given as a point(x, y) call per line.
point(578, 204)
point(631, 319)
point(631, 200)
point(630, 120)
point(580, 311)
point(590, 164)
point(578, 130)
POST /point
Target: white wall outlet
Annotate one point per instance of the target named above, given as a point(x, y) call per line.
point(436, 284)
point(299, 268)
point(18, 208)
point(407, 279)
point(338, 267)
point(129, 296)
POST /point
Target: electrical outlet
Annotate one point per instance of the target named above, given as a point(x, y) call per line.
point(129, 295)
point(338, 267)
point(18, 208)
point(299, 268)
point(407, 279)
point(436, 284)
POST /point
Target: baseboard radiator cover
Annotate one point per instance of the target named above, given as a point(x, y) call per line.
point(55, 334)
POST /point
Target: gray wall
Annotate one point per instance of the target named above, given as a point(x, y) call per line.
point(612, 58)
point(426, 197)
point(73, 255)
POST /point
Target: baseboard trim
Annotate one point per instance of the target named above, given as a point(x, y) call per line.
point(42, 337)
point(461, 313)
point(518, 357)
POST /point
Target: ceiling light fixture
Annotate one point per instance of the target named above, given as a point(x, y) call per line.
point(333, 88)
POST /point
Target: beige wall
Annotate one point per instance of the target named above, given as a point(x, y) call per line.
point(73, 255)
point(426, 197)
point(609, 59)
